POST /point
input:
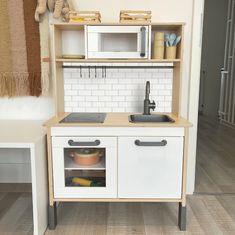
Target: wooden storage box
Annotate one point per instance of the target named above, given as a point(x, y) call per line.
point(84, 17)
point(135, 16)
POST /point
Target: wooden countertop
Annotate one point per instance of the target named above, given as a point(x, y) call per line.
point(117, 120)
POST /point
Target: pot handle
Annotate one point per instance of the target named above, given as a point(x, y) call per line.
point(72, 154)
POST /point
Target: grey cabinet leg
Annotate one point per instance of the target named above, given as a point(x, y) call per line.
point(52, 216)
point(182, 217)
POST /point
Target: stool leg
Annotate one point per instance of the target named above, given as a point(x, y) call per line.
point(52, 216)
point(182, 217)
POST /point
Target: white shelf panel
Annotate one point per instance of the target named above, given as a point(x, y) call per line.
point(71, 165)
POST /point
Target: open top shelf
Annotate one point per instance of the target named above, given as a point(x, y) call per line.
point(163, 25)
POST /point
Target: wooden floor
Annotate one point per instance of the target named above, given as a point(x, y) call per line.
point(215, 168)
point(212, 215)
point(16, 213)
point(211, 210)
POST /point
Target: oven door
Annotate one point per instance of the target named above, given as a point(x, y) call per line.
point(124, 42)
point(84, 167)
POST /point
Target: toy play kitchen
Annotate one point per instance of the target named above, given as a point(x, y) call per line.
point(117, 157)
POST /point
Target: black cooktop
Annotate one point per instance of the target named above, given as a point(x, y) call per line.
point(84, 118)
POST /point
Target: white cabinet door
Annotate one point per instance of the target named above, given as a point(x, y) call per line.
point(66, 171)
point(150, 167)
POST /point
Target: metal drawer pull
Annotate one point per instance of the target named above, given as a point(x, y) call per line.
point(84, 143)
point(140, 143)
point(143, 41)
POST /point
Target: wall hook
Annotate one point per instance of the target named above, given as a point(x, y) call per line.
point(89, 71)
point(80, 71)
point(102, 71)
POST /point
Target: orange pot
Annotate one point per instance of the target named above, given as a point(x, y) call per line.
point(86, 157)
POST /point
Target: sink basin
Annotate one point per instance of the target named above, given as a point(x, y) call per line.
point(157, 118)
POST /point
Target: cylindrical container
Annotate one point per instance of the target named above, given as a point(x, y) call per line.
point(171, 52)
point(86, 156)
point(159, 36)
point(158, 46)
point(158, 52)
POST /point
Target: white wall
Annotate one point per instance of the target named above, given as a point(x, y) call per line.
point(213, 53)
point(28, 108)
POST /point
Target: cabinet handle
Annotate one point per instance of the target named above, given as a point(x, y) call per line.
point(84, 143)
point(143, 40)
point(160, 143)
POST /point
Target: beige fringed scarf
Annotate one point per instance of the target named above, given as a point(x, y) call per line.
point(21, 70)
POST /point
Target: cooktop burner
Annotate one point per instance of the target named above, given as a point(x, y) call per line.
point(84, 118)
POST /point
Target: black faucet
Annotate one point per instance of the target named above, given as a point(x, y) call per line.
point(147, 103)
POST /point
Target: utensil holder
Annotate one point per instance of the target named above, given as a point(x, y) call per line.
point(171, 52)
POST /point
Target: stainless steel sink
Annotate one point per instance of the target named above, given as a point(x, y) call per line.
point(157, 118)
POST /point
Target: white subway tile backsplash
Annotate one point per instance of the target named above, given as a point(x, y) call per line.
point(112, 81)
point(67, 98)
point(164, 92)
point(118, 98)
point(69, 109)
point(118, 86)
point(104, 98)
point(98, 92)
point(112, 104)
point(78, 98)
point(111, 92)
point(78, 87)
point(98, 104)
point(121, 90)
point(91, 98)
point(105, 87)
point(79, 109)
point(70, 104)
point(84, 92)
point(124, 92)
point(118, 75)
point(70, 92)
point(67, 75)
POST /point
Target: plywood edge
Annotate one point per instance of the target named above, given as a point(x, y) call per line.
point(80, 25)
point(117, 200)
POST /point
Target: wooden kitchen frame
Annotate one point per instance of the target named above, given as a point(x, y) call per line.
point(57, 60)
point(116, 125)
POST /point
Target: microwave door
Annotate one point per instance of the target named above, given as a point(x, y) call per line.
point(122, 42)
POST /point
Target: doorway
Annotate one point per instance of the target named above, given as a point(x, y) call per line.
point(215, 166)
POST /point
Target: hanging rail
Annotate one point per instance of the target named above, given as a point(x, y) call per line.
point(116, 66)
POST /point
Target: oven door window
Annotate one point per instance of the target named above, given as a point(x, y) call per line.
point(85, 167)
